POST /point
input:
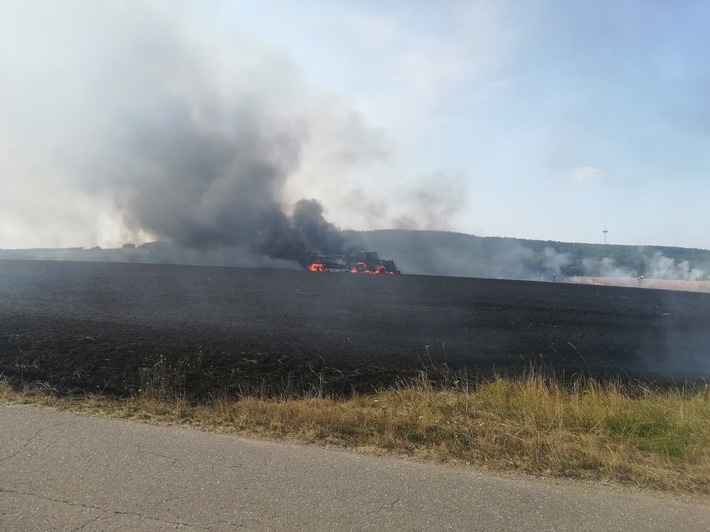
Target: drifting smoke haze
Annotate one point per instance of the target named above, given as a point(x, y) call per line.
point(554, 261)
point(436, 199)
point(661, 267)
point(461, 255)
point(126, 112)
point(604, 267)
point(655, 266)
point(148, 121)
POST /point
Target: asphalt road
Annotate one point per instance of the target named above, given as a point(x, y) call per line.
point(94, 326)
point(63, 471)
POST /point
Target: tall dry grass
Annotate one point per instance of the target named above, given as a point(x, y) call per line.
point(624, 433)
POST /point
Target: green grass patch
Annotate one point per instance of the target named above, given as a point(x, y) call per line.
point(650, 431)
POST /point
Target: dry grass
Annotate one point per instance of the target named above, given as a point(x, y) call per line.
point(632, 434)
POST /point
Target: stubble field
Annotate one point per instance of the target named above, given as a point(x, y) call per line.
point(87, 327)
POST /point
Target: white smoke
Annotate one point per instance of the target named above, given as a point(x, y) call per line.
point(554, 262)
point(604, 267)
point(661, 267)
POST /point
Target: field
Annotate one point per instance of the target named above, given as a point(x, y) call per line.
point(588, 382)
point(87, 327)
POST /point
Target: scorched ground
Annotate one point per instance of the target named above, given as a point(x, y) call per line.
point(96, 326)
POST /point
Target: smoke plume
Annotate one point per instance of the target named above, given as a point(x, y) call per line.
point(187, 143)
point(432, 202)
point(217, 184)
point(662, 267)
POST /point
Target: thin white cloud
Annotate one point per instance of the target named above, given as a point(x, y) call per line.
point(586, 173)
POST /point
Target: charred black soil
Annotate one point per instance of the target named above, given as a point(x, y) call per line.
point(88, 327)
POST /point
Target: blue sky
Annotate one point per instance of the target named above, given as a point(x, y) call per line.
point(540, 120)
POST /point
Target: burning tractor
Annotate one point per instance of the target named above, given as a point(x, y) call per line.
point(319, 262)
point(367, 262)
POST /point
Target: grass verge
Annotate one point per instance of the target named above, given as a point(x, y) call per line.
point(605, 431)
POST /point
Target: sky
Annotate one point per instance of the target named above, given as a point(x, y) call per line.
point(549, 120)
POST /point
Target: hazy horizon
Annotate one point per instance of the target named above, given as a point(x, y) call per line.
point(120, 245)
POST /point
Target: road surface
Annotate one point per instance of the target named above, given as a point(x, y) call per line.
point(63, 471)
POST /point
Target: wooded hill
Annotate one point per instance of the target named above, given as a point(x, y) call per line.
point(458, 254)
point(437, 253)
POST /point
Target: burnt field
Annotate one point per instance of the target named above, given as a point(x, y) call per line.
point(78, 327)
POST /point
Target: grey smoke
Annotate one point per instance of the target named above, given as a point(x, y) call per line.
point(190, 145)
point(210, 187)
point(206, 171)
point(432, 202)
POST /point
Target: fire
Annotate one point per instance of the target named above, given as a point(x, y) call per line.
point(315, 267)
point(361, 267)
point(367, 262)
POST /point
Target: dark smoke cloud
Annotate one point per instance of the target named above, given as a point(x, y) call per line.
point(207, 170)
point(193, 145)
point(206, 187)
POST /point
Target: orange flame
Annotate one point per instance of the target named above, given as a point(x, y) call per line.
point(336, 264)
point(361, 267)
point(316, 267)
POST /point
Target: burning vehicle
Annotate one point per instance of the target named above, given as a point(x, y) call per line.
point(367, 262)
point(320, 262)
